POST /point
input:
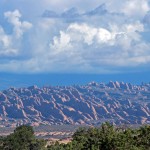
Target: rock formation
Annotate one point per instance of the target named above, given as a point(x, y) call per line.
point(94, 103)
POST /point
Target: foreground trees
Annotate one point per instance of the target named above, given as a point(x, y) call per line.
point(22, 139)
point(107, 137)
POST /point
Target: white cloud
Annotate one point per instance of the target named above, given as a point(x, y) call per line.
point(11, 43)
point(85, 34)
point(133, 9)
point(61, 43)
point(82, 32)
point(5, 40)
point(14, 19)
point(104, 36)
point(136, 8)
point(126, 34)
point(6, 44)
point(117, 46)
point(88, 34)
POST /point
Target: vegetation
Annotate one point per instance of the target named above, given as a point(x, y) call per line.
point(105, 137)
point(22, 139)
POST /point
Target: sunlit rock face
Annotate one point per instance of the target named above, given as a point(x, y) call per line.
point(94, 103)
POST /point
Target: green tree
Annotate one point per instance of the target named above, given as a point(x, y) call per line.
point(23, 139)
point(143, 137)
point(107, 137)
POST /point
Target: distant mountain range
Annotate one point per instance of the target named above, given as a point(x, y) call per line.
point(93, 103)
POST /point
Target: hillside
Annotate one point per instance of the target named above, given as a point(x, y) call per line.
point(94, 103)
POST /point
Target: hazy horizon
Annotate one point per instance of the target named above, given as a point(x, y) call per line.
point(24, 80)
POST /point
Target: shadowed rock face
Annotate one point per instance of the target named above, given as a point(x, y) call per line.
point(93, 103)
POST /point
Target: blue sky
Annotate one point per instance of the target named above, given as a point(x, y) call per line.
point(61, 36)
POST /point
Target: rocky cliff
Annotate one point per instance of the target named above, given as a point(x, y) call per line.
point(118, 102)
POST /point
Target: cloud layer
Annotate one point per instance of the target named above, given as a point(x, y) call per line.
point(104, 37)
